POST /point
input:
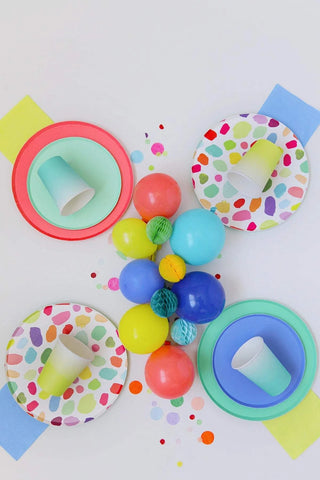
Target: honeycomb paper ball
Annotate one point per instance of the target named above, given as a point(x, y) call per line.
point(172, 268)
point(183, 332)
point(159, 230)
point(164, 302)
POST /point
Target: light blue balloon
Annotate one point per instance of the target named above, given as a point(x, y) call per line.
point(198, 236)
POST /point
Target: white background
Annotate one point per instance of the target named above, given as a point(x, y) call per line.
point(129, 66)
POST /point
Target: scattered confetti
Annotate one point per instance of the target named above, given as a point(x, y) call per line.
point(135, 387)
point(156, 413)
point(113, 283)
point(207, 437)
point(162, 441)
point(136, 156)
point(161, 126)
point(157, 148)
point(177, 402)
point(197, 403)
point(218, 276)
point(179, 464)
point(173, 418)
point(93, 275)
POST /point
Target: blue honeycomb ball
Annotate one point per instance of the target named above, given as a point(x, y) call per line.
point(183, 332)
point(164, 302)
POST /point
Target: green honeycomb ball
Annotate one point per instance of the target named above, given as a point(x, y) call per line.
point(159, 230)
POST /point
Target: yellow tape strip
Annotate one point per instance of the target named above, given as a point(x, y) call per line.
point(19, 124)
point(299, 428)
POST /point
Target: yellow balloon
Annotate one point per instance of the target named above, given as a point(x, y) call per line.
point(130, 237)
point(141, 330)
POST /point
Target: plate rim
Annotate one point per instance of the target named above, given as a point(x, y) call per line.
point(54, 132)
point(204, 359)
point(300, 346)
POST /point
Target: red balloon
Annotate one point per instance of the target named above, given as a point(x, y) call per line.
point(155, 195)
point(169, 372)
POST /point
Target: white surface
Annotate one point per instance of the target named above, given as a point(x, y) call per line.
point(129, 66)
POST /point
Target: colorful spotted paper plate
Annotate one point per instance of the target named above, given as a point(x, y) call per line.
point(223, 146)
point(98, 386)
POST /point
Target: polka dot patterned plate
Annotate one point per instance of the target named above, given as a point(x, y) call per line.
point(98, 386)
point(223, 146)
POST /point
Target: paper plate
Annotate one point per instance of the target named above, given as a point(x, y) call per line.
point(218, 326)
point(223, 146)
point(105, 210)
point(94, 164)
point(99, 384)
point(282, 340)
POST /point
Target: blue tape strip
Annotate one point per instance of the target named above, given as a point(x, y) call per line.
point(300, 117)
point(18, 430)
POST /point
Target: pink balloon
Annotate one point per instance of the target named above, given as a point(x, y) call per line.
point(169, 372)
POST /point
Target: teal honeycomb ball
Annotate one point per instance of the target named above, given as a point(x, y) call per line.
point(183, 332)
point(164, 302)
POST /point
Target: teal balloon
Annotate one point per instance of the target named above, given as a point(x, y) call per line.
point(198, 236)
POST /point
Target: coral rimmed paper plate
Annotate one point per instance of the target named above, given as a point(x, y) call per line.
point(206, 361)
point(97, 387)
point(96, 155)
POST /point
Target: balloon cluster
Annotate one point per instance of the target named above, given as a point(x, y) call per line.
point(196, 237)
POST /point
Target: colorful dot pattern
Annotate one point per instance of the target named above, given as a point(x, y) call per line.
point(223, 146)
point(96, 388)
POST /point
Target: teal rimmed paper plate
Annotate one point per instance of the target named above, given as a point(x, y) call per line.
point(213, 333)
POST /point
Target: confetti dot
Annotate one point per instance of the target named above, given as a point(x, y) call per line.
point(192, 417)
point(161, 126)
point(93, 275)
point(199, 422)
point(177, 402)
point(113, 283)
point(197, 403)
point(162, 441)
point(99, 286)
point(244, 145)
point(173, 418)
point(218, 276)
point(157, 149)
point(95, 348)
point(207, 437)
point(79, 389)
point(151, 167)
point(156, 413)
point(179, 464)
point(135, 387)
point(136, 156)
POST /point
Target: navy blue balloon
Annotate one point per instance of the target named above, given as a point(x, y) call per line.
point(201, 297)
point(139, 280)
